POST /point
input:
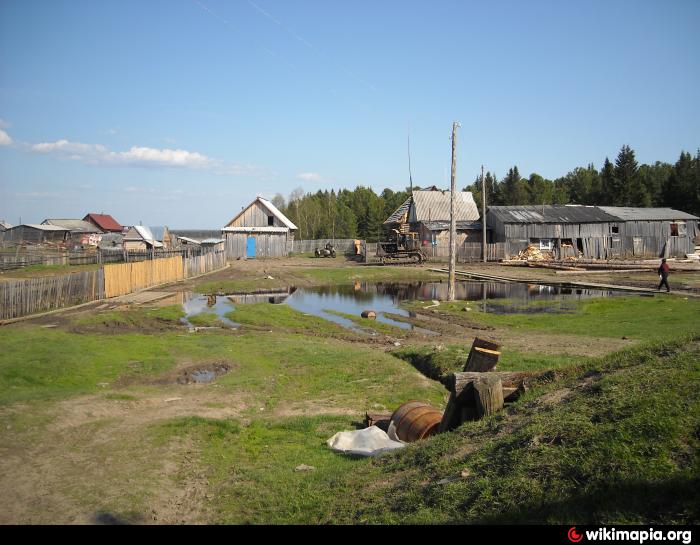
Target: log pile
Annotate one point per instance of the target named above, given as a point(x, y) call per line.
point(533, 253)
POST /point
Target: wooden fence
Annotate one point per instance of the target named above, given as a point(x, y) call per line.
point(194, 266)
point(124, 278)
point(20, 297)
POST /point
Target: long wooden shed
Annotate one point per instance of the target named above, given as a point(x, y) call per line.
point(259, 230)
point(594, 232)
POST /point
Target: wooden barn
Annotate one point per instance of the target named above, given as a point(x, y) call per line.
point(593, 232)
point(37, 234)
point(427, 212)
point(259, 230)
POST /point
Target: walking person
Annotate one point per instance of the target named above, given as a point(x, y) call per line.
point(663, 275)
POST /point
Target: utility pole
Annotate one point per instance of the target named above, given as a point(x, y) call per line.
point(483, 213)
point(453, 218)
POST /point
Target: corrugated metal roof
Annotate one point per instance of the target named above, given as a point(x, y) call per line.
point(104, 222)
point(43, 227)
point(157, 232)
point(551, 213)
point(399, 212)
point(435, 206)
point(75, 226)
point(647, 214)
point(187, 239)
point(255, 229)
point(213, 241)
point(144, 232)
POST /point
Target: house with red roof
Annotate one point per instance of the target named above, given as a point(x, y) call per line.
point(104, 222)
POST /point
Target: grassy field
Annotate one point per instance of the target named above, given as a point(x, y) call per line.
point(97, 423)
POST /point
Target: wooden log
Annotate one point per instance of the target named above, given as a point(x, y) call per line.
point(482, 360)
point(480, 343)
point(451, 418)
point(488, 395)
point(510, 379)
point(381, 420)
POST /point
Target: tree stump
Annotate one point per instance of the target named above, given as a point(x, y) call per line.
point(483, 356)
point(488, 395)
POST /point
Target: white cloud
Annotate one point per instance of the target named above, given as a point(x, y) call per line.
point(5, 139)
point(97, 154)
point(310, 177)
point(37, 195)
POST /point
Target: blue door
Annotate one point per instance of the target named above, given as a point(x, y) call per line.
point(250, 247)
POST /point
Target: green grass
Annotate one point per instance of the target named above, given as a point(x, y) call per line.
point(206, 319)
point(283, 317)
point(48, 364)
point(47, 270)
point(374, 325)
point(621, 449)
point(640, 318)
point(251, 469)
point(135, 319)
point(438, 363)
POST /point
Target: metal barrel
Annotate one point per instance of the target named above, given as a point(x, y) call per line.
point(416, 420)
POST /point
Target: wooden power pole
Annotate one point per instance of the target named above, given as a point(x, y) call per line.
point(453, 218)
point(483, 213)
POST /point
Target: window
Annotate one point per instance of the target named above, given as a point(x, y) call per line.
point(614, 229)
point(678, 229)
point(546, 244)
point(270, 221)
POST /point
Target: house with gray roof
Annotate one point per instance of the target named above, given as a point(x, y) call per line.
point(427, 212)
point(140, 238)
point(259, 230)
point(593, 232)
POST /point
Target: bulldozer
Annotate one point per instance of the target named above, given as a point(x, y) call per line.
point(401, 248)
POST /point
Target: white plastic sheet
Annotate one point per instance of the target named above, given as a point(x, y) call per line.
point(371, 441)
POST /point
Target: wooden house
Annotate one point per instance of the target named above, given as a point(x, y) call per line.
point(105, 222)
point(427, 212)
point(140, 238)
point(37, 234)
point(593, 232)
point(259, 230)
point(81, 233)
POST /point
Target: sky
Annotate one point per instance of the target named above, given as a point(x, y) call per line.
point(181, 112)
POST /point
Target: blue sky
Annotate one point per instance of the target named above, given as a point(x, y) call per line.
point(180, 112)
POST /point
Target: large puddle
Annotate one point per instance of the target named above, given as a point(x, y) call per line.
point(384, 299)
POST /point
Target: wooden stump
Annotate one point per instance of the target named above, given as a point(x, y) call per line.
point(488, 395)
point(483, 356)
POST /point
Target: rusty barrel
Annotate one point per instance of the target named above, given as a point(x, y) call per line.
point(416, 420)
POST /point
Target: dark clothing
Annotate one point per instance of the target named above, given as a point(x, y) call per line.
point(663, 273)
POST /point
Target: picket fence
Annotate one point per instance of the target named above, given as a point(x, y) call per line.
point(22, 297)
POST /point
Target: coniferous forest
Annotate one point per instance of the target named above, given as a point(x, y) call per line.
point(359, 213)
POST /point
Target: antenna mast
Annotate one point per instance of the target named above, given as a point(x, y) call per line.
point(410, 176)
